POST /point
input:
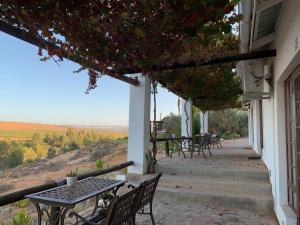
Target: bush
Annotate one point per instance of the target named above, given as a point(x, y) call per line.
point(171, 124)
point(22, 203)
point(15, 158)
point(232, 121)
point(227, 135)
point(29, 154)
point(41, 150)
point(51, 152)
point(100, 164)
point(6, 187)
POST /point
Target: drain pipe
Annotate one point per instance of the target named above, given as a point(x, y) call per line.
point(245, 9)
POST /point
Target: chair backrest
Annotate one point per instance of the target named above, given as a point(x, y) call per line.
point(122, 208)
point(147, 192)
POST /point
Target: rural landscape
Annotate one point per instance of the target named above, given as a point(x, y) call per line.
point(32, 154)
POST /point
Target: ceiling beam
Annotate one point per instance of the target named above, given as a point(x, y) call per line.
point(41, 43)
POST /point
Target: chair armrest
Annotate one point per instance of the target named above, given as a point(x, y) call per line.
point(131, 186)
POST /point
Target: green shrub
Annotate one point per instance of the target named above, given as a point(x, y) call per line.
point(15, 158)
point(22, 218)
point(233, 121)
point(52, 152)
point(171, 124)
point(100, 164)
point(227, 135)
point(22, 203)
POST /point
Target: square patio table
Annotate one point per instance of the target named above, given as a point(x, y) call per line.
point(63, 198)
point(177, 142)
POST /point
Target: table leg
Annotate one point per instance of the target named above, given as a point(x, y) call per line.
point(167, 148)
point(182, 145)
point(96, 205)
point(55, 214)
point(39, 212)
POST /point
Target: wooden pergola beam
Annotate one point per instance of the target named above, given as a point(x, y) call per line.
point(41, 43)
point(119, 73)
point(212, 61)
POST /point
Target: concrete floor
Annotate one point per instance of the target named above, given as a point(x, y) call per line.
point(225, 188)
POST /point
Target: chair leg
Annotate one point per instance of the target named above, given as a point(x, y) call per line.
point(133, 220)
point(202, 150)
point(209, 152)
point(151, 214)
point(208, 148)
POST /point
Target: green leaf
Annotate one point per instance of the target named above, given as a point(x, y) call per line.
point(139, 32)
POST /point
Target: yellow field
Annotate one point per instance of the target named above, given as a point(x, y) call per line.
point(19, 131)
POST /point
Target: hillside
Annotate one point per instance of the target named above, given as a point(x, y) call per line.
point(21, 130)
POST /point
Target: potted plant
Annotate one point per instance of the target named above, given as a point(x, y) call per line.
point(72, 178)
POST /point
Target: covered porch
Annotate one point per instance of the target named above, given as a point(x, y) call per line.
point(196, 63)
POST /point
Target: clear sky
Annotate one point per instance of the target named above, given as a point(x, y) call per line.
point(44, 92)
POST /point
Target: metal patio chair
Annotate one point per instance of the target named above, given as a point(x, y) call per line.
point(201, 143)
point(147, 192)
point(121, 211)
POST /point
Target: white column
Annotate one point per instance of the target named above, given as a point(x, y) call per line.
point(256, 127)
point(250, 127)
point(139, 125)
point(203, 122)
point(186, 118)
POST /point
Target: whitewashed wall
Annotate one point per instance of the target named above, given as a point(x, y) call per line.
point(287, 45)
point(256, 126)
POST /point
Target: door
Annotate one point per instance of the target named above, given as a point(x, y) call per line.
point(292, 98)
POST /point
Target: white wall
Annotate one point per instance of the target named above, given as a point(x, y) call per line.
point(287, 44)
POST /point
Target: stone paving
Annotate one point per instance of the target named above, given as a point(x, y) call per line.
point(168, 213)
point(234, 154)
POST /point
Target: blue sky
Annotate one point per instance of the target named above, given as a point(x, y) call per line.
point(44, 92)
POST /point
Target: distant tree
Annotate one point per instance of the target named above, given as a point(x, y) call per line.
point(41, 150)
point(29, 154)
point(171, 124)
point(229, 120)
point(52, 152)
point(15, 158)
point(36, 138)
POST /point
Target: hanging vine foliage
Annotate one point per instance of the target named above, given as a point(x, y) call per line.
point(118, 35)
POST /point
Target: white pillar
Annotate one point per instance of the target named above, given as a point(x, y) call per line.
point(186, 118)
point(256, 127)
point(139, 125)
point(203, 122)
point(250, 129)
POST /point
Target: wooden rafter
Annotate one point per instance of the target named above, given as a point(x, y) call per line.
point(212, 61)
point(119, 73)
point(41, 43)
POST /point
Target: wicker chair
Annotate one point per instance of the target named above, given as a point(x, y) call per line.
point(120, 212)
point(147, 192)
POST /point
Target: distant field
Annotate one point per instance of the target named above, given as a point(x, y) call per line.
point(18, 130)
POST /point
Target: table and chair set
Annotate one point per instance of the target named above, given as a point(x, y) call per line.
point(198, 144)
point(59, 203)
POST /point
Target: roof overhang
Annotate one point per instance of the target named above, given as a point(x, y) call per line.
point(264, 19)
